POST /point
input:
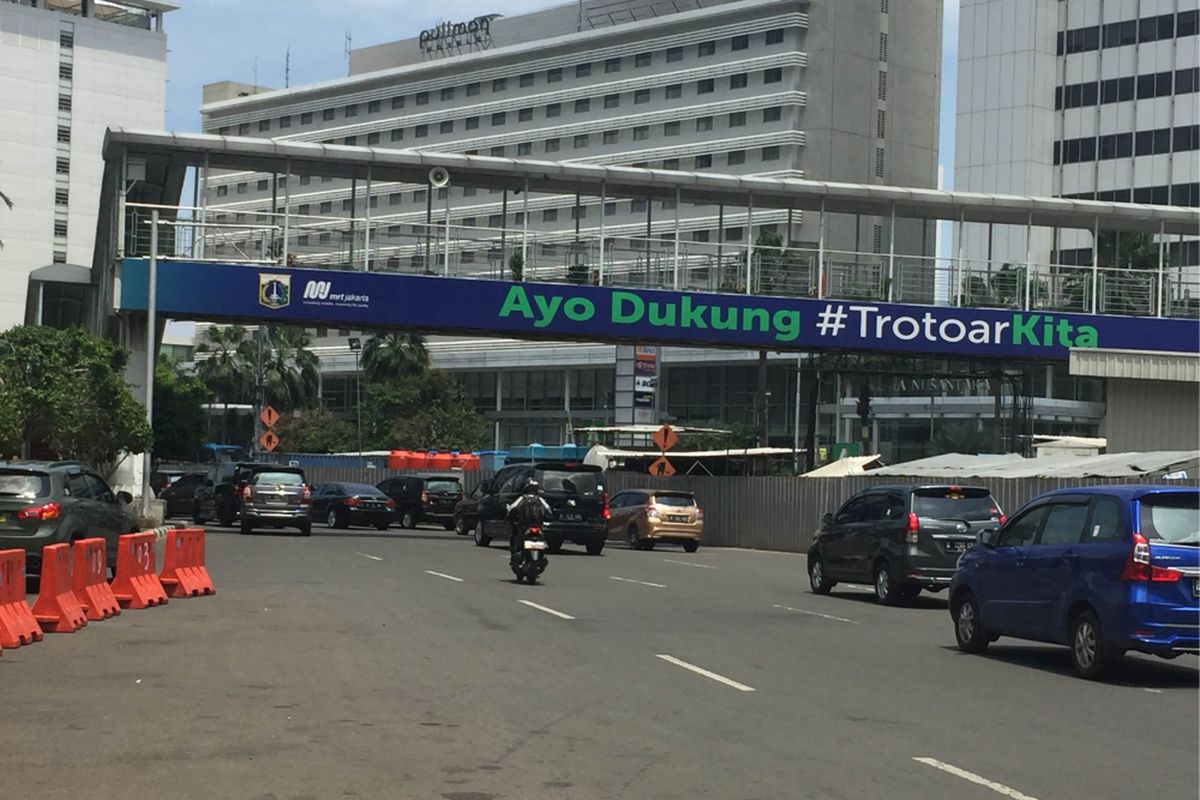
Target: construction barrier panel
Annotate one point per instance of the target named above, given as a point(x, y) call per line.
point(90, 580)
point(135, 584)
point(183, 573)
point(56, 608)
point(17, 624)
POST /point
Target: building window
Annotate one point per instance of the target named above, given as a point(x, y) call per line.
point(883, 47)
point(611, 137)
point(641, 96)
point(395, 199)
point(327, 115)
point(306, 118)
point(733, 234)
point(285, 122)
point(878, 162)
point(500, 85)
point(446, 126)
point(60, 197)
point(739, 81)
point(551, 145)
point(703, 162)
point(673, 91)
point(422, 98)
point(641, 132)
point(881, 124)
point(397, 102)
point(671, 129)
point(374, 106)
point(373, 138)
point(737, 119)
point(583, 70)
point(526, 80)
point(351, 111)
point(674, 54)
point(612, 65)
point(642, 60)
point(421, 131)
point(553, 75)
point(499, 119)
point(64, 102)
point(735, 158)
point(65, 72)
point(64, 134)
point(612, 100)
point(60, 257)
point(244, 129)
point(60, 228)
point(447, 93)
point(472, 89)
point(700, 236)
point(705, 86)
point(883, 6)
point(347, 204)
point(739, 43)
point(495, 221)
point(222, 191)
point(420, 195)
point(305, 180)
point(550, 215)
point(877, 238)
point(264, 124)
point(581, 141)
point(706, 49)
point(554, 110)
point(1187, 80)
point(704, 124)
point(472, 123)
point(610, 209)
point(774, 36)
point(637, 206)
point(66, 39)
point(882, 85)
point(525, 115)
point(773, 75)
point(496, 152)
point(398, 135)
point(770, 153)
point(469, 191)
point(772, 114)
point(62, 166)
point(1188, 23)
point(578, 212)
point(582, 106)
point(525, 149)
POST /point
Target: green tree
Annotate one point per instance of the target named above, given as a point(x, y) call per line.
point(394, 356)
point(430, 411)
point(314, 431)
point(64, 389)
point(226, 365)
point(516, 266)
point(960, 436)
point(179, 419)
point(290, 370)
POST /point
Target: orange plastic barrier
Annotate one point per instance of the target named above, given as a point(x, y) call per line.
point(17, 624)
point(90, 581)
point(136, 585)
point(183, 573)
point(439, 461)
point(56, 608)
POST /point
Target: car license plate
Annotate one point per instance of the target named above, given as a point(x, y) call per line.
point(1195, 583)
point(676, 518)
point(3, 518)
point(956, 547)
point(570, 517)
point(532, 544)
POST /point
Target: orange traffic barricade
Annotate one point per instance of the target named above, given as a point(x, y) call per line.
point(56, 608)
point(183, 573)
point(89, 582)
point(17, 623)
point(135, 584)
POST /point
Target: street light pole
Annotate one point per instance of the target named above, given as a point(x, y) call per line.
point(356, 347)
point(151, 324)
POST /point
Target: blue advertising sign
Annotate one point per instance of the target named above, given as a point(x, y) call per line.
point(328, 298)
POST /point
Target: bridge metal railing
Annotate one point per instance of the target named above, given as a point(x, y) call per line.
point(618, 259)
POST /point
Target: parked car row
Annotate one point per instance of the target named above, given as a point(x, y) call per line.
point(1104, 570)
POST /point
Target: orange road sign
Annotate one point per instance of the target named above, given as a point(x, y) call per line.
point(665, 438)
point(269, 417)
point(662, 467)
point(269, 441)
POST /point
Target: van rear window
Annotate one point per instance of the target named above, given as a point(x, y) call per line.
point(278, 479)
point(567, 482)
point(1171, 518)
point(675, 500)
point(443, 486)
point(967, 504)
point(24, 485)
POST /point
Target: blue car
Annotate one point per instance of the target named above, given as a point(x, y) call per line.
point(1101, 569)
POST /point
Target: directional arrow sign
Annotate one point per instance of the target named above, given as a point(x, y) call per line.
point(662, 466)
point(269, 441)
point(269, 417)
point(665, 438)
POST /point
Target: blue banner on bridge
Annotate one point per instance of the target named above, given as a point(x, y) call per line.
point(328, 298)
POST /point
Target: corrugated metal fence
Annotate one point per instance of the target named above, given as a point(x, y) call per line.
point(774, 513)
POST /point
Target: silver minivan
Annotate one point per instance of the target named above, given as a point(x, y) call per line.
point(276, 499)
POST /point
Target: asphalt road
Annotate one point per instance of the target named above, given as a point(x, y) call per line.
point(408, 664)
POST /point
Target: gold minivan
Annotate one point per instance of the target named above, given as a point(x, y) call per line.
point(644, 517)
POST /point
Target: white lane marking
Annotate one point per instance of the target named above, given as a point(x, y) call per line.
point(1152, 691)
point(367, 555)
point(551, 611)
point(999, 788)
point(642, 583)
point(741, 687)
point(443, 575)
point(689, 564)
point(817, 614)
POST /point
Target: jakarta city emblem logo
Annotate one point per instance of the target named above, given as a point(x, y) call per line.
point(274, 291)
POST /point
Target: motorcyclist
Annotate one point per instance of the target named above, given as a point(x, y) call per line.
point(527, 511)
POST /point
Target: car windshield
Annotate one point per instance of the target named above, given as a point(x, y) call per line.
point(443, 486)
point(554, 480)
point(675, 500)
point(1172, 518)
point(969, 505)
point(363, 490)
point(279, 479)
point(24, 485)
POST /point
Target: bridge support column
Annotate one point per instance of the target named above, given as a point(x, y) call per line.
point(1028, 260)
point(525, 228)
point(1161, 268)
point(891, 286)
point(603, 201)
point(675, 284)
point(1095, 264)
point(367, 226)
point(958, 261)
point(147, 496)
point(287, 205)
point(749, 242)
point(821, 251)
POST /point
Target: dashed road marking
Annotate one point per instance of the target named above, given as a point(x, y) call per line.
point(741, 687)
point(817, 614)
point(367, 555)
point(550, 611)
point(689, 564)
point(950, 769)
point(642, 583)
point(443, 575)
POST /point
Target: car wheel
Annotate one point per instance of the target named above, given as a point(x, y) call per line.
point(481, 539)
point(331, 519)
point(595, 548)
point(968, 627)
point(634, 542)
point(817, 579)
point(691, 547)
point(408, 520)
point(460, 525)
point(306, 529)
point(886, 591)
point(1090, 655)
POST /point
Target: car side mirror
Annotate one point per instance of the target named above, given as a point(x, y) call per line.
point(988, 537)
point(827, 519)
point(125, 497)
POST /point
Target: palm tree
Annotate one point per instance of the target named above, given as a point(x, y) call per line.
point(391, 356)
point(228, 369)
point(291, 372)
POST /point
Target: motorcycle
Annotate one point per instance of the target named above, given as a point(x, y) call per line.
point(530, 561)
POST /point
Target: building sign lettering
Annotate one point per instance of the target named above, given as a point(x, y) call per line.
point(475, 34)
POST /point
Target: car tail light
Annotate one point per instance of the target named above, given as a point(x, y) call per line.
point(699, 512)
point(606, 513)
point(652, 511)
point(352, 501)
point(535, 530)
point(424, 497)
point(306, 496)
point(390, 503)
point(912, 533)
point(42, 513)
point(1003, 518)
point(1138, 566)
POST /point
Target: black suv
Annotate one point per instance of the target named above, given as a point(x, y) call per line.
point(220, 495)
point(575, 493)
point(424, 498)
point(900, 539)
point(43, 503)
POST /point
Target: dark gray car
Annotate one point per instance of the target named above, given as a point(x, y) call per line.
point(276, 498)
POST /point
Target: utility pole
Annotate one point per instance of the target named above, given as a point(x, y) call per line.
point(864, 415)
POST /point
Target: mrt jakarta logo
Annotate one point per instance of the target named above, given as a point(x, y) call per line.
point(274, 291)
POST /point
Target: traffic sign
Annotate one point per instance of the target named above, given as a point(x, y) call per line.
point(269, 441)
point(269, 417)
point(665, 438)
point(663, 467)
